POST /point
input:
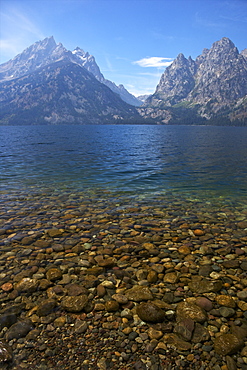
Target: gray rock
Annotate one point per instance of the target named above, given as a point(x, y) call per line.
point(184, 328)
point(19, 329)
point(226, 312)
point(7, 320)
point(46, 307)
point(231, 364)
point(200, 334)
point(242, 295)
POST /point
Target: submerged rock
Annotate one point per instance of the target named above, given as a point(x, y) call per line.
point(227, 344)
point(5, 352)
point(74, 304)
point(149, 312)
point(139, 293)
point(192, 311)
point(19, 329)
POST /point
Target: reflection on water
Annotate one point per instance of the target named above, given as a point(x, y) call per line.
point(127, 158)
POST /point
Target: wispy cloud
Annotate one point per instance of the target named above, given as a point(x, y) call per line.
point(237, 18)
point(161, 36)
point(154, 62)
point(202, 21)
point(18, 31)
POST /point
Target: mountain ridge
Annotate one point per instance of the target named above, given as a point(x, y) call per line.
point(62, 92)
point(49, 84)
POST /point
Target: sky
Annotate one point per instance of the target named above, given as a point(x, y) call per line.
point(133, 41)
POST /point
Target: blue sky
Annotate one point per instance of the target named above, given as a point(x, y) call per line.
point(132, 40)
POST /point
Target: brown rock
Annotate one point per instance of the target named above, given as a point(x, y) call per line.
point(242, 224)
point(177, 342)
point(74, 304)
point(243, 266)
point(204, 286)
point(200, 334)
point(101, 291)
point(152, 276)
point(154, 334)
point(225, 300)
point(204, 303)
point(191, 310)
point(184, 250)
point(227, 344)
point(120, 298)
point(96, 270)
point(54, 274)
point(231, 364)
point(108, 262)
point(198, 232)
point(54, 233)
point(7, 287)
point(75, 289)
point(231, 264)
point(171, 277)
point(27, 240)
point(42, 244)
point(111, 306)
point(26, 285)
point(149, 312)
point(138, 293)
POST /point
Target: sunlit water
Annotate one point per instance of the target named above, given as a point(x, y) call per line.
point(131, 161)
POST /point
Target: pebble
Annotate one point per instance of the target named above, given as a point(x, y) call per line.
point(159, 284)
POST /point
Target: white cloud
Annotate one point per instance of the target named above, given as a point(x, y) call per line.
point(154, 62)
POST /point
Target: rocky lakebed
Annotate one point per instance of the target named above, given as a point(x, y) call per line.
point(102, 282)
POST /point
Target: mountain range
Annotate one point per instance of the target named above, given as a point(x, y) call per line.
point(48, 84)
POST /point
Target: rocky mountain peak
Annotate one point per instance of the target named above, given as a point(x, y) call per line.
point(205, 88)
point(244, 53)
point(221, 75)
point(88, 61)
point(175, 83)
point(32, 58)
point(45, 52)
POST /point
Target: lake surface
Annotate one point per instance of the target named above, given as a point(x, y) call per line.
point(127, 160)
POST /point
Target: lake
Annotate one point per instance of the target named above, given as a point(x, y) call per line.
point(131, 159)
point(123, 166)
